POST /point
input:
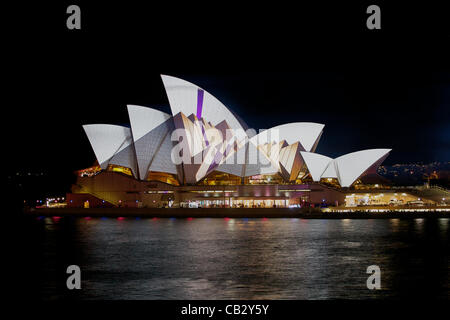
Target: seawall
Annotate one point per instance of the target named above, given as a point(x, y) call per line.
point(305, 213)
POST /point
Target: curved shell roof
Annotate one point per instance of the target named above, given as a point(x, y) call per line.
point(285, 148)
point(307, 133)
point(352, 165)
point(107, 140)
point(151, 130)
point(190, 99)
point(143, 120)
point(316, 163)
point(347, 168)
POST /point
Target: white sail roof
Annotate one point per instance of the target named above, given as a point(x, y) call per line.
point(148, 145)
point(189, 99)
point(107, 140)
point(150, 128)
point(351, 166)
point(316, 164)
point(330, 170)
point(144, 119)
point(307, 133)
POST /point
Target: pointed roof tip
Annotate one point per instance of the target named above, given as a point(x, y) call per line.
point(195, 99)
point(386, 150)
point(165, 78)
point(90, 125)
point(314, 154)
point(301, 122)
point(307, 133)
point(102, 125)
point(135, 106)
point(130, 106)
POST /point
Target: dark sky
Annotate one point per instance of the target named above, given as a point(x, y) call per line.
point(390, 90)
point(405, 111)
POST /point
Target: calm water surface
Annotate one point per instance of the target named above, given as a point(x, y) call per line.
point(239, 258)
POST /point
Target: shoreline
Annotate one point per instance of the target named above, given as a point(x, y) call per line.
point(306, 213)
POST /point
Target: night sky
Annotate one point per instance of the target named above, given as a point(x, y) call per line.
point(389, 90)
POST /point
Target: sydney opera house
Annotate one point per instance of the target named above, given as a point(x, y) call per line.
point(204, 155)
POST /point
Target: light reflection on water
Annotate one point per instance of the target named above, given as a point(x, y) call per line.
point(247, 258)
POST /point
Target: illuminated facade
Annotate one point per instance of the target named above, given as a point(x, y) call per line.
point(204, 145)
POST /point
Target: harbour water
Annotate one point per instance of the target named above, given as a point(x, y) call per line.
point(205, 258)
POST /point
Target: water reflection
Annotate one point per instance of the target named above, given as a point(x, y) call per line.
point(243, 258)
point(444, 222)
point(419, 224)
